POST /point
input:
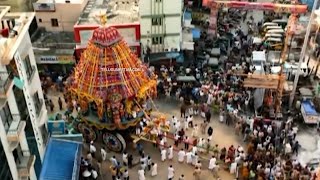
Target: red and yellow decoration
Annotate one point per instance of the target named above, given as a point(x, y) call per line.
point(110, 76)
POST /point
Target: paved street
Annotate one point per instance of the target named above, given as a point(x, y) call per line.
point(222, 135)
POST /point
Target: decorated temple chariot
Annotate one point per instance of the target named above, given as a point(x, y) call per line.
point(112, 87)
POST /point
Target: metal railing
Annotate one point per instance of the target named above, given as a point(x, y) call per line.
point(38, 106)
point(30, 72)
point(14, 124)
point(5, 80)
point(54, 45)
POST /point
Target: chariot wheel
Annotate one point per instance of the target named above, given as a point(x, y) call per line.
point(115, 142)
point(87, 132)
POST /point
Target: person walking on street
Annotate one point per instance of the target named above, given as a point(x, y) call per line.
point(154, 169)
point(51, 105)
point(125, 175)
point(130, 159)
point(186, 143)
point(141, 174)
point(125, 158)
point(60, 103)
point(197, 173)
point(103, 154)
point(208, 116)
point(92, 149)
point(170, 172)
point(183, 109)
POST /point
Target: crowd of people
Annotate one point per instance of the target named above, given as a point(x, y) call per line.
point(271, 147)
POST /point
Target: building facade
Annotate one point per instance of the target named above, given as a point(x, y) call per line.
point(58, 15)
point(23, 116)
point(160, 22)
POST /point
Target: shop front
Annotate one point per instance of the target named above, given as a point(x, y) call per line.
point(57, 63)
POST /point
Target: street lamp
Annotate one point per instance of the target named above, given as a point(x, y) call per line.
point(303, 52)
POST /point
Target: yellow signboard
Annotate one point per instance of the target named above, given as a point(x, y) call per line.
point(67, 59)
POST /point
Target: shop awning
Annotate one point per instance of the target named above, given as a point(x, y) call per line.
point(61, 161)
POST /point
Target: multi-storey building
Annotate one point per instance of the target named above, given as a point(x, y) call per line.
point(23, 115)
point(58, 15)
point(53, 42)
point(160, 22)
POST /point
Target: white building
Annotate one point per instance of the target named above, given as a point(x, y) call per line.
point(23, 132)
point(58, 15)
point(160, 22)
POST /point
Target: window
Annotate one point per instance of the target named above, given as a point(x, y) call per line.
point(54, 23)
point(6, 116)
point(17, 154)
point(44, 133)
point(158, 0)
point(37, 103)
point(29, 68)
point(157, 40)
point(40, 20)
point(4, 167)
point(21, 102)
point(156, 21)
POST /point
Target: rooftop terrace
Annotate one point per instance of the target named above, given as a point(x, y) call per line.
point(117, 11)
point(14, 26)
point(44, 39)
point(49, 43)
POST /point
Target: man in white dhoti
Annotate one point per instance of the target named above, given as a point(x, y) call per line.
point(181, 177)
point(163, 154)
point(161, 143)
point(186, 124)
point(103, 154)
point(154, 169)
point(212, 163)
point(170, 153)
point(195, 159)
point(189, 157)
point(181, 155)
point(141, 175)
point(170, 172)
point(174, 119)
point(195, 131)
point(125, 158)
point(194, 150)
point(201, 145)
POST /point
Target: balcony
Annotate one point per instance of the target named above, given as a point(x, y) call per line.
point(16, 127)
point(30, 72)
point(44, 7)
point(25, 165)
point(38, 105)
point(5, 83)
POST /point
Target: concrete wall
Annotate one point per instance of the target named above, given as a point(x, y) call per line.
point(25, 49)
point(172, 22)
point(66, 13)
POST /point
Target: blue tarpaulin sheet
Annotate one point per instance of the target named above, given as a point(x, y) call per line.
point(196, 33)
point(61, 161)
point(308, 108)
